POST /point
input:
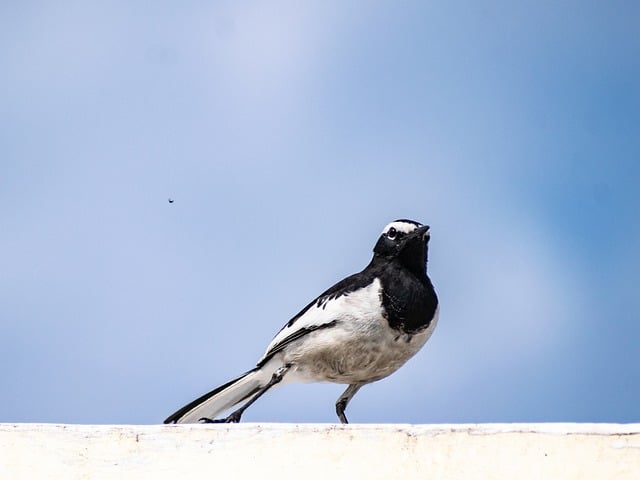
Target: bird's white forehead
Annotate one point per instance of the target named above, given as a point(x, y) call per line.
point(404, 227)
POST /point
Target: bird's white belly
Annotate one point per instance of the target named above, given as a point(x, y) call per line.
point(355, 350)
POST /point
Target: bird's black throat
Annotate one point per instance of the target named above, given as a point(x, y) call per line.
point(407, 295)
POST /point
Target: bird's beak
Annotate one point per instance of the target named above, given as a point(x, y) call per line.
point(422, 232)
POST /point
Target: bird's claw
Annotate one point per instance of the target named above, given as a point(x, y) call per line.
point(208, 420)
point(233, 418)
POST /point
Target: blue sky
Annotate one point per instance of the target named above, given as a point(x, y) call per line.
point(288, 134)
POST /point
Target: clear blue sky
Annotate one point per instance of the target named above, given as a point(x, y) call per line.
point(289, 134)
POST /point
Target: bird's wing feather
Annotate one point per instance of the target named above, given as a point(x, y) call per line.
point(322, 312)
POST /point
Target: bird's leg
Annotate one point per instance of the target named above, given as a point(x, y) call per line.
point(235, 416)
point(344, 400)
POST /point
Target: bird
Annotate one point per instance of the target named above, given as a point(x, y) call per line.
point(359, 331)
point(171, 200)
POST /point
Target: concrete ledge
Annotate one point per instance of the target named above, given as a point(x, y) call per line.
point(309, 451)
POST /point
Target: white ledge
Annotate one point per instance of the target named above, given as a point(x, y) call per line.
point(308, 451)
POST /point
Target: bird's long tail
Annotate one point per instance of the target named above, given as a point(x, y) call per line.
point(224, 397)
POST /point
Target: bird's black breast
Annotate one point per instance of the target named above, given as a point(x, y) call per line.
point(410, 302)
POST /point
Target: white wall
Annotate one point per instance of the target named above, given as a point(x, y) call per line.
point(308, 451)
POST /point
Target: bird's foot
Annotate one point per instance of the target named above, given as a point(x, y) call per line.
point(210, 420)
point(233, 418)
point(340, 407)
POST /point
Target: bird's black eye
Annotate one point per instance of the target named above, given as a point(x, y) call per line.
point(392, 233)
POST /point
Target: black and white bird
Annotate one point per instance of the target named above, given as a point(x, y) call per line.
point(359, 331)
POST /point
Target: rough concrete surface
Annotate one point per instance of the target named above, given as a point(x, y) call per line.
point(309, 451)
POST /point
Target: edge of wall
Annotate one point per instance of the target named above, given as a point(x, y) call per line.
point(308, 451)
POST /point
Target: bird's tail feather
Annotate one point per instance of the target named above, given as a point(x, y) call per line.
point(222, 398)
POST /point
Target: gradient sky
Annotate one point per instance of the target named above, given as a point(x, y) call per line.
point(289, 133)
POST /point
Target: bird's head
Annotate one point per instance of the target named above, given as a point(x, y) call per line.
point(406, 241)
